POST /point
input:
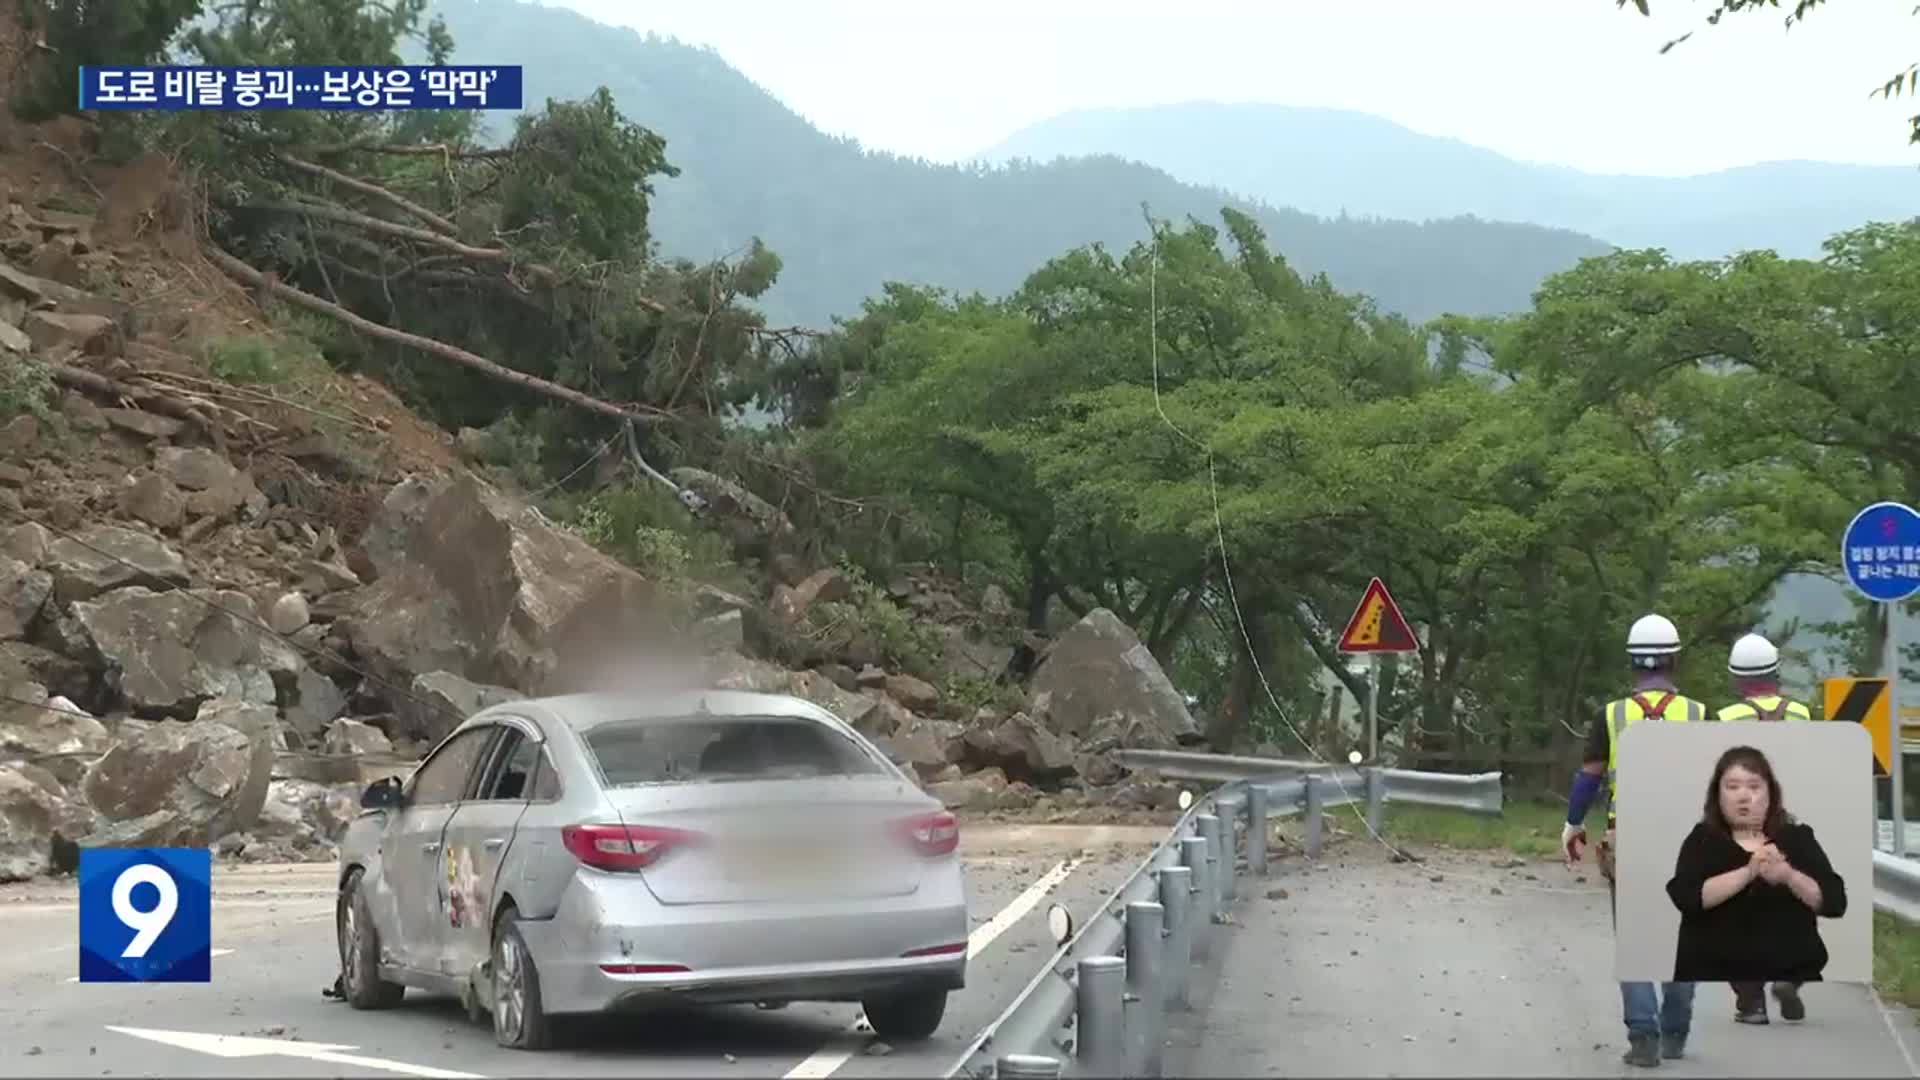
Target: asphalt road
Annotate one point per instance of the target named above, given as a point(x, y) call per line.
point(274, 952)
point(1363, 967)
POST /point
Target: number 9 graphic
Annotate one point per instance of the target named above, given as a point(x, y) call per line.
point(150, 924)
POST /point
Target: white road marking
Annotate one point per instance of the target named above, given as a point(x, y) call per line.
point(241, 1046)
point(210, 953)
point(825, 1061)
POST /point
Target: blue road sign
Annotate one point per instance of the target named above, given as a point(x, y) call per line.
point(146, 914)
point(1881, 551)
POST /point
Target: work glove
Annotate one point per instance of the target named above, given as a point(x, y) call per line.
point(1572, 839)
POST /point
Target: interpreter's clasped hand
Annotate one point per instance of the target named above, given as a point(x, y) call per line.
point(1774, 868)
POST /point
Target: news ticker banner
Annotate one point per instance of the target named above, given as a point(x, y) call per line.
point(146, 915)
point(302, 86)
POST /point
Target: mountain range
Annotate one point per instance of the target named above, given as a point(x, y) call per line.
point(1331, 161)
point(846, 219)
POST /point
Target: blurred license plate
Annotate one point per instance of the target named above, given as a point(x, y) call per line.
point(790, 863)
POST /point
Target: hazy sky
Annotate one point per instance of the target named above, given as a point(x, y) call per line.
point(1572, 82)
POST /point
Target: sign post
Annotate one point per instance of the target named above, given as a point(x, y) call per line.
point(1376, 627)
point(1881, 554)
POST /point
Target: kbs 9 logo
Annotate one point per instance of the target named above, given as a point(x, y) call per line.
point(146, 915)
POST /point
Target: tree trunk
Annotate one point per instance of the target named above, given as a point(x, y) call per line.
point(1233, 719)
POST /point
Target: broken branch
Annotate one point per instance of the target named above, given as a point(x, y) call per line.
point(436, 149)
point(454, 353)
point(343, 216)
point(365, 187)
point(93, 382)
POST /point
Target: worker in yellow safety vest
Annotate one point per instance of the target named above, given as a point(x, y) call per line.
point(1754, 664)
point(1657, 1020)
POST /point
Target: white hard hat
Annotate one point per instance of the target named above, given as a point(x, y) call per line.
point(1753, 655)
point(1653, 635)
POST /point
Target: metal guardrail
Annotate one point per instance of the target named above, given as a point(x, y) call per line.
point(1479, 793)
point(1099, 1006)
point(1896, 886)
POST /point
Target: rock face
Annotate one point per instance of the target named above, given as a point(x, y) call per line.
point(472, 583)
point(440, 701)
point(23, 592)
point(40, 823)
point(1100, 669)
point(179, 784)
point(105, 557)
point(168, 652)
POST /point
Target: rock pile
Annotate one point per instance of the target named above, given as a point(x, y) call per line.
point(192, 652)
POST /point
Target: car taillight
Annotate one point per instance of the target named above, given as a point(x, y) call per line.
point(932, 834)
point(623, 847)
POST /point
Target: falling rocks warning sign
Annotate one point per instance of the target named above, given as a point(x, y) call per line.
point(1377, 625)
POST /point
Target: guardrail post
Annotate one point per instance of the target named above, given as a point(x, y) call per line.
point(1193, 856)
point(1257, 830)
point(1099, 1045)
point(1232, 813)
point(1376, 798)
point(1176, 899)
point(1146, 997)
point(1026, 1067)
point(1209, 825)
point(1312, 783)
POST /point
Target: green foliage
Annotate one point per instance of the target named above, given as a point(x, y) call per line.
point(1189, 429)
point(976, 692)
point(580, 179)
point(26, 388)
point(1896, 959)
point(248, 359)
point(849, 219)
point(90, 33)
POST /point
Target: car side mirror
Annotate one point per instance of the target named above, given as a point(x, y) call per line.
point(382, 794)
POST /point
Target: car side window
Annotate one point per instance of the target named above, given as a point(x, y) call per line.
point(546, 782)
point(443, 779)
point(511, 768)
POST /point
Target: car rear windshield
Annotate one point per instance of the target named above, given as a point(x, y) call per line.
point(719, 748)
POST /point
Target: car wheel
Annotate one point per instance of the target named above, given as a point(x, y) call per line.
point(520, 1020)
point(360, 981)
point(909, 1016)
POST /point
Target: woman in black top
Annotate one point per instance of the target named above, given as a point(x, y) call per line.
point(1750, 883)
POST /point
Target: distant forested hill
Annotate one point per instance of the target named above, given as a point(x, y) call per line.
point(1280, 153)
point(845, 220)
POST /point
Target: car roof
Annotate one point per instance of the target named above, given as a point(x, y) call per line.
point(586, 711)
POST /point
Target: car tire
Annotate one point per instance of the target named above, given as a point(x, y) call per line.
point(520, 1020)
point(359, 942)
point(910, 1016)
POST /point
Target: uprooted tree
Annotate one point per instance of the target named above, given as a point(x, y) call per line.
point(512, 284)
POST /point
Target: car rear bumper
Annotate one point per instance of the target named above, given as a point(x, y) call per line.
point(829, 951)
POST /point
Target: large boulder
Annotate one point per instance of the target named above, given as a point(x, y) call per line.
point(52, 733)
point(440, 701)
point(1099, 668)
point(1021, 747)
point(167, 652)
point(471, 582)
point(301, 820)
point(178, 784)
point(23, 591)
point(106, 557)
point(40, 823)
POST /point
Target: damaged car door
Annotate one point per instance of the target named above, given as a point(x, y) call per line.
point(479, 838)
point(411, 851)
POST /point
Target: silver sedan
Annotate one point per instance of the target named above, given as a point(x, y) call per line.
point(599, 852)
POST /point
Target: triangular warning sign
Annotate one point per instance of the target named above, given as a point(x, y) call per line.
point(1377, 625)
